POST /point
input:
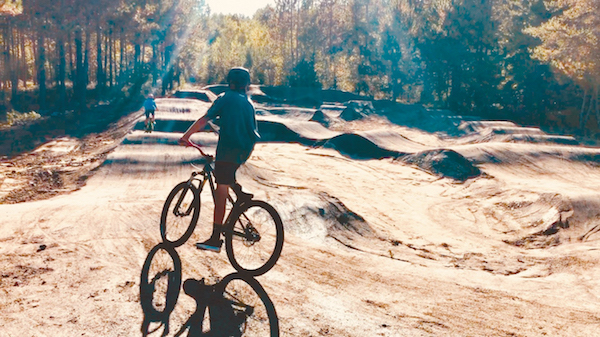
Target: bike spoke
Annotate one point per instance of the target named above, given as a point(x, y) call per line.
point(255, 241)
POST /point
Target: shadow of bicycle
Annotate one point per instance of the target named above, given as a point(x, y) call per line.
point(236, 306)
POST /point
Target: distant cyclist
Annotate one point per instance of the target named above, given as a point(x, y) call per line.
point(149, 108)
point(237, 135)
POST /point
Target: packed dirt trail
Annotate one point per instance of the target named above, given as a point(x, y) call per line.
point(398, 244)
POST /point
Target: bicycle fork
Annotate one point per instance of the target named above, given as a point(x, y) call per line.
point(188, 211)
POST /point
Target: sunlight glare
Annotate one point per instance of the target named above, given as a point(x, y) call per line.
point(243, 7)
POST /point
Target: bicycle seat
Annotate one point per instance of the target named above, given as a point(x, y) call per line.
point(241, 195)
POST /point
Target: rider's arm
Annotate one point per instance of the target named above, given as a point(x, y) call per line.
point(196, 127)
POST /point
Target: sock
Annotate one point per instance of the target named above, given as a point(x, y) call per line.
point(216, 233)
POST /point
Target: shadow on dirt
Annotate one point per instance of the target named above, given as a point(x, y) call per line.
point(236, 306)
point(24, 138)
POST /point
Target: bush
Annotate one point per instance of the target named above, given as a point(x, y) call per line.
point(20, 118)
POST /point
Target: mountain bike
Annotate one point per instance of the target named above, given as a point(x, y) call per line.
point(149, 123)
point(149, 126)
point(253, 229)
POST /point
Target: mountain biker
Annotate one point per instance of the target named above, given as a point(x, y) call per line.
point(237, 136)
point(149, 108)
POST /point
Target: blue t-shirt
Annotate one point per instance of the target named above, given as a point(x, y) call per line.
point(149, 104)
point(238, 130)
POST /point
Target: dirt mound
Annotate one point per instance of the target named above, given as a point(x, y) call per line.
point(321, 118)
point(550, 219)
point(509, 132)
point(277, 132)
point(444, 163)
point(358, 147)
point(203, 95)
point(357, 110)
point(307, 95)
point(320, 215)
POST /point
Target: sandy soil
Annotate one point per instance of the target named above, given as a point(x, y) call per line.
point(374, 247)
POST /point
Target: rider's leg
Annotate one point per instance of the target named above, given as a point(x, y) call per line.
point(214, 242)
point(224, 176)
point(220, 202)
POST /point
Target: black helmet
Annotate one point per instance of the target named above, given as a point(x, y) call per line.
point(238, 76)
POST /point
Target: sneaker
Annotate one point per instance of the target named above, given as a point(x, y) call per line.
point(210, 245)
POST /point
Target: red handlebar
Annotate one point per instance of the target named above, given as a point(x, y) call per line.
point(197, 147)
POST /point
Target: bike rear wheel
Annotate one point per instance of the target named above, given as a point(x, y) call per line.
point(180, 214)
point(241, 307)
point(254, 237)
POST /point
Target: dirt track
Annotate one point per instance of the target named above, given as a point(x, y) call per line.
point(511, 252)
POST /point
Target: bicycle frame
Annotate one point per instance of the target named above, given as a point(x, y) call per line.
point(207, 175)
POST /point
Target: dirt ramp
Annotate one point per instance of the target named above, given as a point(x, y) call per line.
point(444, 163)
point(358, 147)
point(509, 132)
point(319, 215)
point(277, 132)
point(356, 110)
point(320, 117)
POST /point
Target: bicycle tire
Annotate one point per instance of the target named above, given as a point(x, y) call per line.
point(160, 282)
point(248, 308)
point(254, 257)
point(173, 225)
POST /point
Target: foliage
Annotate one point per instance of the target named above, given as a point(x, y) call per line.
point(522, 60)
point(19, 118)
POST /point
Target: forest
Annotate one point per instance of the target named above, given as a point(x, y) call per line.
point(531, 61)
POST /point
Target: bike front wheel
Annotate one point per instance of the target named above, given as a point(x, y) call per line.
point(240, 306)
point(254, 237)
point(180, 214)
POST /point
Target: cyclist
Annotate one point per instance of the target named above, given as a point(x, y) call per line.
point(237, 136)
point(149, 108)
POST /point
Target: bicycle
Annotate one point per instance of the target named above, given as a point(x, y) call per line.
point(253, 229)
point(149, 124)
point(237, 305)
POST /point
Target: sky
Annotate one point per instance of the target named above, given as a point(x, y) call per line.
point(244, 7)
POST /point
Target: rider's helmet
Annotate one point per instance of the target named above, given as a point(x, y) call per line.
point(238, 76)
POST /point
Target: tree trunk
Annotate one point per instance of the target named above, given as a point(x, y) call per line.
point(24, 73)
point(14, 65)
point(62, 74)
point(41, 70)
point(154, 64)
point(85, 71)
point(583, 116)
point(111, 59)
point(5, 50)
point(137, 60)
point(168, 70)
point(100, 78)
point(122, 56)
point(78, 85)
